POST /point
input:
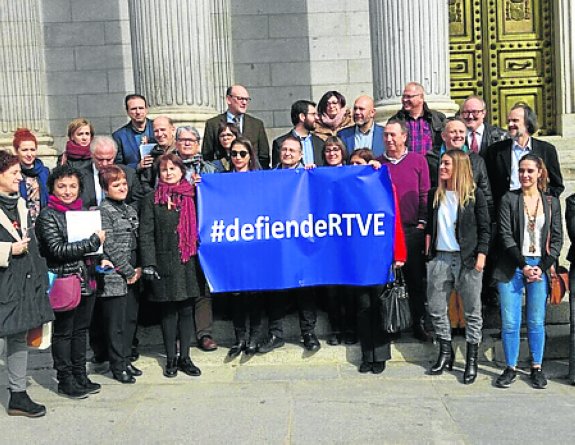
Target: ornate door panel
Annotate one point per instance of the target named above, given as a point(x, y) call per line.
point(502, 51)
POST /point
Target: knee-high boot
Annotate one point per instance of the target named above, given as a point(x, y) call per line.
point(445, 358)
point(470, 373)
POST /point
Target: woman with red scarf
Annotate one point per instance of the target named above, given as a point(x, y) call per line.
point(77, 153)
point(66, 258)
point(168, 244)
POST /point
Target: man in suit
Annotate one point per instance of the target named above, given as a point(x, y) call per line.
point(138, 131)
point(303, 117)
point(502, 158)
point(480, 134)
point(237, 98)
point(365, 133)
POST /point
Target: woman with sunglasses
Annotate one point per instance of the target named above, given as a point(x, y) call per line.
point(245, 305)
point(531, 236)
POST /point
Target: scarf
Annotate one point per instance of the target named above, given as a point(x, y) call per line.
point(59, 206)
point(9, 205)
point(37, 171)
point(336, 121)
point(181, 195)
point(75, 151)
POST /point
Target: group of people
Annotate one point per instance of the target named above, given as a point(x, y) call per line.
point(477, 203)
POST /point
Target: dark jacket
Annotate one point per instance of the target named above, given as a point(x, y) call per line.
point(253, 130)
point(511, 226)
point(78, 164)
point(491, 135)
point(347, 135)
point(128, 146)
point(479, 174)
point(570, 220)
point(149, 176)
point(120, 221)
point(23, 280)
point(498, 163)
point(63, 257)
point(316, 141)
point(159, 248)
point(472, 229)
point(432, 117)
point(135, 191)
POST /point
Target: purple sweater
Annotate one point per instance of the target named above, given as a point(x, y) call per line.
point(411, 179)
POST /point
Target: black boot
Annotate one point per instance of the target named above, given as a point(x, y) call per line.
point(21, 405)
point(68, 387)
point(470, 373)
point(445, 358)
point(89, 386)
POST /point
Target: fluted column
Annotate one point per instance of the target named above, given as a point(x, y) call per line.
point(181, 56)
point(565, 13)
point(22, 73)
point(410, 43)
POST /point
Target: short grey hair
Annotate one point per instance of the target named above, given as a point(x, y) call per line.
point(105, 141)
point(190, 129)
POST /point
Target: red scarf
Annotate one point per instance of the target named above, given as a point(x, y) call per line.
point(59, 206)
point(75, 151)
point(182, 197)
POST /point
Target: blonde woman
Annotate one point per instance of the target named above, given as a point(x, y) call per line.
point(457, 239)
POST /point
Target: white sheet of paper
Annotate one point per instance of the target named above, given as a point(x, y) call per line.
point(82, 224)
point(146, 149)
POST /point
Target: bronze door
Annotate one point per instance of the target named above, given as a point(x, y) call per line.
point(502, 50)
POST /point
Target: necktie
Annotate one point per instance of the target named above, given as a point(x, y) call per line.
point(237, 123)
point(474, 146)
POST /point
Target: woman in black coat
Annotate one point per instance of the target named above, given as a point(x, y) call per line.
point(570, 219)
point(23, 280)
point(118, 303)
point(168, 246)
point(67, 258)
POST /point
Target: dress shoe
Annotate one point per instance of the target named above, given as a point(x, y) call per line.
point(365, 367)
point(123, 377)
point(187, 367)
point(270, 344)
point(310, 342)
point(378, 367)
point(207, 344)
point(237, 349)
point(350, 338)
point(20, 404)
point(251, 347)
point(132, 370)
point(332, 340)
point(171, 369)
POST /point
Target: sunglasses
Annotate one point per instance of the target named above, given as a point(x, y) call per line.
point(242, 154)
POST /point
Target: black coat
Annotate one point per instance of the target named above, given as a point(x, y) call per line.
point(434, 118)
point(23, 280)
point(159, 248)
point(316, 141)
point(498, 162)
point(511, 227)
point(491, 135)
point(472, 229)
point(570, 220)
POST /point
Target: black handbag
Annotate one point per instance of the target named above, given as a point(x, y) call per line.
point(394, 307)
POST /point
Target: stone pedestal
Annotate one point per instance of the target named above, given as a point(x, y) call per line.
point(22, 74)
point(181, 55)
point(565, 38)
point(410, 43)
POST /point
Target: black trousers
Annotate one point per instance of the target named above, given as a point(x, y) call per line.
point(178, 323)
point(277, 305)
point(247, 306)
point(341, 309)
point(69, 335)
point(414, 272)
point(375, 342)
point(203, 312)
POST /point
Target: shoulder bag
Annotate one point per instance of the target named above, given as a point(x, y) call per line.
point(394, 307)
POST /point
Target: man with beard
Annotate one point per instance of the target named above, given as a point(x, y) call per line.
point(480, 134)
point(365, 133)
point(502, 158)
point(303, 117)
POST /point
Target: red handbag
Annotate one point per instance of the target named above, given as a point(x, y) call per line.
point(65, 293)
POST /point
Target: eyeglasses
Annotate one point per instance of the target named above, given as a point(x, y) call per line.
point(410, 96)
point(332, 150)
point(474, 113)
point(241, 99)
point(242, 153)
point(188, 141)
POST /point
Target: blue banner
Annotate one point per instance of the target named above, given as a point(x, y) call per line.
point(280, 229)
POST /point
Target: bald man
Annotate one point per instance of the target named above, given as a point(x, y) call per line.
point(164, 133)
point(365, 133)
point(424, 125)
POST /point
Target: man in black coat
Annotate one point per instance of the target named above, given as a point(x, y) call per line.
point(480, 134)
point(502, 158)
point(303, 117)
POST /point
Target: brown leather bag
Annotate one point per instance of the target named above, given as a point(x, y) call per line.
point(559, 284)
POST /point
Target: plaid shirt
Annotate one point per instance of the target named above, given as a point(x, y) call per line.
point(420, 137)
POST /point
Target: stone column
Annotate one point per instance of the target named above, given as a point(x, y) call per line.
point(22, 74)
point(180, 56)
point(565, 38)
point(410, 43)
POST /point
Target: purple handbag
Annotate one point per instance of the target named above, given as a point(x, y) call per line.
point(65, 293)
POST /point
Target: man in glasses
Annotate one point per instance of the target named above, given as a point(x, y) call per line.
point(480, 134)
point(303, 117)
point(424, 125)
point(238, 99)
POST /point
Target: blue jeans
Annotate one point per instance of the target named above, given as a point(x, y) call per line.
point(511, 295)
